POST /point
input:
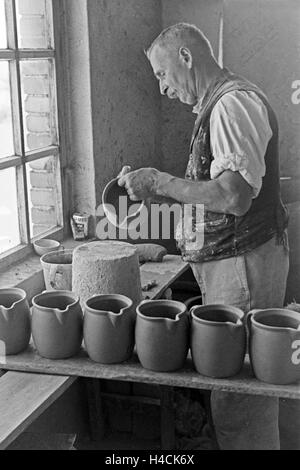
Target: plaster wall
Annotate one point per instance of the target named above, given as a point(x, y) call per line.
point(177, 118)
point(81, 151)
point(126, 107)
point(117, 114)
point(262, 42)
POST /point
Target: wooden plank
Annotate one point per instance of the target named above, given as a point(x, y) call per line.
point(33, 155)
point(36, 54)
point(7, 54)
point(164, 273)
point(132, 371)
point(131, 398)
point(9, 162)
point(23, 398)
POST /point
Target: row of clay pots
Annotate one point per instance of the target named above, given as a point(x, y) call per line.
point(163, 331)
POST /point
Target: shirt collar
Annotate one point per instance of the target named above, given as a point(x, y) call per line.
point(197, 107)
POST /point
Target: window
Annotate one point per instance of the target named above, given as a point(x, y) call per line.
point(30, 180)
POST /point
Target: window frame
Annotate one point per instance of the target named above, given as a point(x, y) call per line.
point(22, 157)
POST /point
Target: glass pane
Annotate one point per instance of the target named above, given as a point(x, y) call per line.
point(44, 194)
point(3, 39)
point(39, 103)
point(34, 24)
point(6, 131)
point(9, 226)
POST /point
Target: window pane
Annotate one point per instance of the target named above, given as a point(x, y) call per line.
point(6, 132)
point(9, 226)
point(34, 24)
point(39, 103)
point(44, 194)
point(3, 40)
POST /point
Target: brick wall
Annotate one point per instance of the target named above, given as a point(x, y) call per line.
point(38, 110)
point(42, 194)
point(32, 23)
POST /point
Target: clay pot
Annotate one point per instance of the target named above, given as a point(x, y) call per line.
point(105, 267)
point(118, 207)
point(14, 321)
point(218, 340)
point(57, 269)
point(108, 328)
point(57, 324)
point(162, 334)
point(46, 245)
point(274, 345)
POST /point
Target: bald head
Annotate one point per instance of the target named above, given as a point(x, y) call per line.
point(181, 35)
point(182, 60)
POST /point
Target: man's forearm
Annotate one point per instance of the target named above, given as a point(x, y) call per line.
point(218, 195)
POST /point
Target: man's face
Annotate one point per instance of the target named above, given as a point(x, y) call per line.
point(174, 75)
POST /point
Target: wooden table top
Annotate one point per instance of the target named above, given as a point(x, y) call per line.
point(132, 371)
point(164, 274)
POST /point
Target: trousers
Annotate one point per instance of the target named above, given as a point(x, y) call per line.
point(255, 280)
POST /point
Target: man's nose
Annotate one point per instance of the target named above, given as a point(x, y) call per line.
point(163, 88)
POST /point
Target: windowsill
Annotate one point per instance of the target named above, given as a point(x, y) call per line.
point(28, 273)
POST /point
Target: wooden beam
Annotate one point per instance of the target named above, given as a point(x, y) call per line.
point(95, 406)
point(23, 398)
point(167, 418)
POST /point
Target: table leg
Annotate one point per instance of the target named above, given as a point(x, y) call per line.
point(95, 409)
point(167, 418)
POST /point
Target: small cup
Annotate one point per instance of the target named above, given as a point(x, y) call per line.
point(45, 245)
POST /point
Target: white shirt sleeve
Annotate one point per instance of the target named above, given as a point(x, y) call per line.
point(239, 134)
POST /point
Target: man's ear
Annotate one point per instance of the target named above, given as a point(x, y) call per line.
point(186, 56)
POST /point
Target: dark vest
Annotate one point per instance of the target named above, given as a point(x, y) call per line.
point(226, 235)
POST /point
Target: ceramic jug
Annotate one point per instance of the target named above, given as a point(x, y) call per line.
point(274, 345)
point(14, 321)
point(57, 324)
point(218, 340)
point(57, 270)
point(162, 334)
point(108, 328)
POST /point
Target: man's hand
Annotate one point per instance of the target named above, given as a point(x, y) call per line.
point(140, 184)
point(126, 169)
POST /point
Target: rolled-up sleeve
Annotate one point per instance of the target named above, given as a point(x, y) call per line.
point(239, 133)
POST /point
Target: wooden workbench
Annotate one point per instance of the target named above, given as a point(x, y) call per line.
point(131, 371)
point(29, 363)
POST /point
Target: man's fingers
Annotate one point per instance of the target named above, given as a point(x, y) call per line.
point(132, 197)
point(122, 181)
point(126, 169)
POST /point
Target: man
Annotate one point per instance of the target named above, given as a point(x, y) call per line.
point(233, 170)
